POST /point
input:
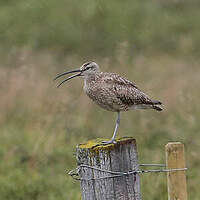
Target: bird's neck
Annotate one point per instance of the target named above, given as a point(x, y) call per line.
point(89, 80)
point(91, 77)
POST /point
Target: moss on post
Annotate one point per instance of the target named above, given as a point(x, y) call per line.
point(119, 157)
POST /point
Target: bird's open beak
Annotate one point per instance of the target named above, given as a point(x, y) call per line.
point(73, 76)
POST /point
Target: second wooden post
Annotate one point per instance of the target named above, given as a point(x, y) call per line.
point(175, 159)
point(101, 185)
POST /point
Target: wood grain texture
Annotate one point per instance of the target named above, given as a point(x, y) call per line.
point(121, 157)
point(175, 158)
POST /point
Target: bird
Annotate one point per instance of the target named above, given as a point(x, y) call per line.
point(111, 92)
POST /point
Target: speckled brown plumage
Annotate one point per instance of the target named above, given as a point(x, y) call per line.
point(115, 93)
point(112, 92)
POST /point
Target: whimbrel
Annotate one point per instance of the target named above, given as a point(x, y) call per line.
point(111, 92)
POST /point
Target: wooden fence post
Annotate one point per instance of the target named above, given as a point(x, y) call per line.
point(177, 188)
point(120, 157)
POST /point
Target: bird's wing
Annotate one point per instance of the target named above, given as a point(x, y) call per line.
point(126, 90)
point(116, 79)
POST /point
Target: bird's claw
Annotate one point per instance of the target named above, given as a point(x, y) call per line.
point(108, 142)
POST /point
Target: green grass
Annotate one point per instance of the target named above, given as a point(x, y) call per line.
point(97, 27)
point(40, 125)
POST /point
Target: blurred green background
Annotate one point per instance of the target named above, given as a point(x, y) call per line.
point(154, 43)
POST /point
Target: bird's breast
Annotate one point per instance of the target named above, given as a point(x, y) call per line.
point(92, 90)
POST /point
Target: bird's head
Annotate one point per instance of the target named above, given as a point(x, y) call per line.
point(86, 70)
point(89, 68)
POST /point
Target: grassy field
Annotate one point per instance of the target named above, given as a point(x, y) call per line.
point(155, 44)
point(96, 27)
point(41, 125)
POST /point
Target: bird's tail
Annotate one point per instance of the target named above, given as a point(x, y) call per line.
point(157, 105)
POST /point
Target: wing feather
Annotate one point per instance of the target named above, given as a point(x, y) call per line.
point(126, 91)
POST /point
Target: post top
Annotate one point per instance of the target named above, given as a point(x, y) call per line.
point(97, 143)
point(173, 144)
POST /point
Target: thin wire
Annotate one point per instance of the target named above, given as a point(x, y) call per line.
point(75, 172)
point(156, 165)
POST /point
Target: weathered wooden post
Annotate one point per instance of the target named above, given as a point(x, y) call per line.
point(175, 159)
point(97, 164)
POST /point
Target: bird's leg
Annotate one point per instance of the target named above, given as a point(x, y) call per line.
point(112, 141)
point(116, 127)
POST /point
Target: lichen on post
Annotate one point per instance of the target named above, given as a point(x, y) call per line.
point(119, 157)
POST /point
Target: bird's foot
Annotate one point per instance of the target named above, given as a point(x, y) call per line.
point(108, 142)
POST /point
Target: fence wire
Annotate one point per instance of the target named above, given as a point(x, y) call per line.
point(113, 174)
